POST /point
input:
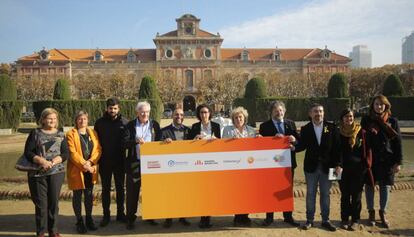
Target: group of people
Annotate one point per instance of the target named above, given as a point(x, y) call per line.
point(366, 154)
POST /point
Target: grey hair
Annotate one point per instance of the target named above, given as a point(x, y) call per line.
point(142, 104)
point(80, 113)
point(277, 103)
point(239, 110)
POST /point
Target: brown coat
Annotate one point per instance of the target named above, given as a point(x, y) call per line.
point(76, 161)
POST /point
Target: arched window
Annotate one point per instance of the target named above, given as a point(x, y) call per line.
point(131, 56)
point(98, 56)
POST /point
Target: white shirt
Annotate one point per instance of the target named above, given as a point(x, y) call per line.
point(205, 132)
point(318, 132)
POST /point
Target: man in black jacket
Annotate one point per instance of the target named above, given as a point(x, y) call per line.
point(139, 130)
point(176, 131)
point(320, 139)
point(110, 129)
point(279, 126)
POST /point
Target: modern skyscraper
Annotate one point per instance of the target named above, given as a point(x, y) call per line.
point(361, 57)
point(408, 49)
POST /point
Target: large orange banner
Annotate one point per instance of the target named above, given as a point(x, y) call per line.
point(216, 177)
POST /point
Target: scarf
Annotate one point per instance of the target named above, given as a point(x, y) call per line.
point(350, 131)
point(380, 122)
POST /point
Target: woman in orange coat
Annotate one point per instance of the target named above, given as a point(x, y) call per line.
point(82, 173)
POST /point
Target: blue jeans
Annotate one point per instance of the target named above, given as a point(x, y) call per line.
point(312, 180)
point(384, 191)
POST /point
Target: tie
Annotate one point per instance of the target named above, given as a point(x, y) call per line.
point(279, 128)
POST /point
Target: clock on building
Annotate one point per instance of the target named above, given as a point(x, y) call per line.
point(188, 28)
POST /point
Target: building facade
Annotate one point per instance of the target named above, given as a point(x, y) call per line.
point(408, 49)
point(187, 54)
point(361, 57)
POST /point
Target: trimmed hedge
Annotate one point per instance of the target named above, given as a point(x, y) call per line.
point(148, 91)
point(393, 86)
point(296, 108)
point(62, 90)
point(401, 107)
point(10, 113)
point(337, 86)
point(95, 108)
point(8, 89)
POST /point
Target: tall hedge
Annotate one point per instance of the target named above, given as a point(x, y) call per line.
point(68, 108)
point(296, 108)
point(8, 89)
point(10, 113)
point(148, 91)
point(393, 86)
point(401, 107)
point(62, 90)
point(255, 88)
point(338, 86)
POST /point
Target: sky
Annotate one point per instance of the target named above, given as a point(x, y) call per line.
point(28, 26)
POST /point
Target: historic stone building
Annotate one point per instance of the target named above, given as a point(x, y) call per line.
point(188, 54)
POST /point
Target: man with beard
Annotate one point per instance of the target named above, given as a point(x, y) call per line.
point(110, 129)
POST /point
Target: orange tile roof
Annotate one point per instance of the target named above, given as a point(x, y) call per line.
point(286, 54)
point(148, 55)
point(84, 55)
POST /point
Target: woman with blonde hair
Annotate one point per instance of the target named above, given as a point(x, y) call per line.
point(47, 147)
point(82, 174)
point(239, 129)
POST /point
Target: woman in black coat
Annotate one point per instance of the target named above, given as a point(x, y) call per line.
point(354, 165)
point(385, 142)
point(205, 129)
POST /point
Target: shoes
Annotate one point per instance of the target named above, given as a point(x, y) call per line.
point(152, 222)
point(105, 221)
point(121, 217)
point(291, 222)
point(80, 226)
point(167, 223)
point(184, 222)
point(354, 226)
point(51, 234)
point(130, 224)
point(328, 226)
point(267, 222)
point(384, 220)
point(90, 224)
point(371, 217)
point(308, 225)
point(345, 225)
point(242, 221)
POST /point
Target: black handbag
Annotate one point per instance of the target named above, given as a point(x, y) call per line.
point(25, 165)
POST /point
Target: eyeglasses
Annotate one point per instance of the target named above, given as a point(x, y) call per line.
point(204, 112)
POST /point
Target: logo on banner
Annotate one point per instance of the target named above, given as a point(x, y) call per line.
point(172, 163)
point(153, 164)
point(250, 160)
point(278, 158)
point(231, 161)
point(210, 162)
point(199, 162)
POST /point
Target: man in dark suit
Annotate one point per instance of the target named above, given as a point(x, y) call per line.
point(279, 126)
point(139, 130)
point(320, 139)
point(176, 131)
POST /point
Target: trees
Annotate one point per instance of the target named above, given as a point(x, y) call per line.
point(255, 88)
point(7, 88)
point(337, 86)
point(148, 91)
point(62, 90)
point(393, 86)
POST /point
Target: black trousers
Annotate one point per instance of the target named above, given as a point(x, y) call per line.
point(77, 202)
point(351, 185)
point(106, 172)
point(287, 215)
point(133, 186)
point(45, 192)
